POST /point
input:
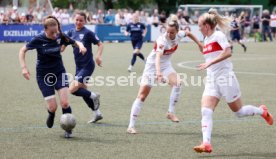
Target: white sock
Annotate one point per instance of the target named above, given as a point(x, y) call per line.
point(175, 94)
point(97, 112)
point(206, 123)
point(249, 110)
point(135, 110)
point(93, 95)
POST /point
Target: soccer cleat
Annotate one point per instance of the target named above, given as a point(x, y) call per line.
point(204, 147)
point(68, 134)
point(131, 130)
point(129, 68)
point(96, 118)
point(244, 48)
point(172, 117)
point(96, 101)
point(50, 120)
point(266, 115)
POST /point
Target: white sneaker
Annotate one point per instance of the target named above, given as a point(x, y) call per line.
point(131, 130)
point(96, 118)
point(129, 68)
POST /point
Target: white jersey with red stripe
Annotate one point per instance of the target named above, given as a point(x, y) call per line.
point(273, 20)
point(214, 45)
point(166, 46)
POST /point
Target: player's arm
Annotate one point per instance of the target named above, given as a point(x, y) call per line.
point(63, 47)
point(22, 61)
point(127, 31)
point(99, 54)
point(191, 36)
point(224, 55)
point(80, 46)
point(145, 32)
point(157, 66)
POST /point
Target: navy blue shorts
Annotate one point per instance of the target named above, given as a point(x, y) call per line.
point(137, 44)
point(235, 35)
point(52, 81)
point(83, 74)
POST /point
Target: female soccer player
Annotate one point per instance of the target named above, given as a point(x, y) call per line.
point(85, 64)
point(50, 72)
point(235, 33)
point(221, 80)
point(137, 32)
point(159, 65)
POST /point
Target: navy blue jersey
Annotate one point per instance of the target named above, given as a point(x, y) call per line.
point(87, 37)
point(234, 24)
point(136, 30)
point(48, 52)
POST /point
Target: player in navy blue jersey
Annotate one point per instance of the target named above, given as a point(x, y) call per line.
point(50, 71)
point(137, 32)
point(85, 65)
point(235, 33)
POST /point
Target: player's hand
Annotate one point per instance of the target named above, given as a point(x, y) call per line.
point(26, 73)
point(159, 77)
point(62, 48)
point(203, 66)
point(82, 50)
point(99, 61)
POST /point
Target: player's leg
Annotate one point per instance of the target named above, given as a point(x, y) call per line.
point(208, 106)
point(174, 82)
point(138, 47)
point(136, 107)
point(238, 37)
point(134, 56)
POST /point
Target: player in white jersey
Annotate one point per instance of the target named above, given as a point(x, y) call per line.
point(158, 66)
point(221, 80)
point(273, 23)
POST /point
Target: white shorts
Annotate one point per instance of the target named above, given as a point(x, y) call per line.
point(149, 73)
point(226, 86)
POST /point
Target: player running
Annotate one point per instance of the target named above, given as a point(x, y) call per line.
point(235, 33)
point(85, 65)
point(137, 32)
point(221, 80)
point(50, 71)
point(158, 65)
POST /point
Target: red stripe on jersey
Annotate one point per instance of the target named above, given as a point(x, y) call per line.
point(211, 47)
point(170, 51)
point(155, 46)
point(273, 18)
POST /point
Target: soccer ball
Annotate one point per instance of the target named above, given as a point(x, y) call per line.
point(67, 122)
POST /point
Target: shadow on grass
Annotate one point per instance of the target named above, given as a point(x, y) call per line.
point(243, 155)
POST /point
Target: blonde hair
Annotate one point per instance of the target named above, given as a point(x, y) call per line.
point(213, 19)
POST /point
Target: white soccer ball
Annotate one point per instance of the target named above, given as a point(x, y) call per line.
point(67, 122)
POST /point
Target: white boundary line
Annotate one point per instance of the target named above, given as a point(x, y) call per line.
point(183, 65)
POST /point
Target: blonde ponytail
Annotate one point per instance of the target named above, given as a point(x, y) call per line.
point(213, 19)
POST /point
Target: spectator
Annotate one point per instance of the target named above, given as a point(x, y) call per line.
point(179, 14)
point(1, 16)
point(273, 23)
point(163, 18)
point(120, 18)
point(155, 18)
point(128, 16)
point(256, 27)
point(56, 12)
point(23, 19)
point(65, 17)
point(187, 17)
point(14, 15)
point(265, 25)
point(38, 15)
point(195, 17)
point(29, 16)
point(100, 17)
point(109, 18)
point(247, 26)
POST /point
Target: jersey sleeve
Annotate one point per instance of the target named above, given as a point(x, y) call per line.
point(223, 42)
point(33, 44)
point(93, 38)
point(69, 41)
point(128, 28)
point(143, 26)
point(159, 45)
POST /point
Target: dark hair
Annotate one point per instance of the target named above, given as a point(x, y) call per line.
point(63, 37)
point(174, 23)
point(82, 14)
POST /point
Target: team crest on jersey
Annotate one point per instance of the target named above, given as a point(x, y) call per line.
point(58, 41)
point(81, 36)
point(139, 26)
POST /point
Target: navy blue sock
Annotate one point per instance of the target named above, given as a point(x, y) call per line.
point(89, 102)
point(141, 56)
point(133, 60)
point(67, 110)
point(82, 92)
point(51, 113)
